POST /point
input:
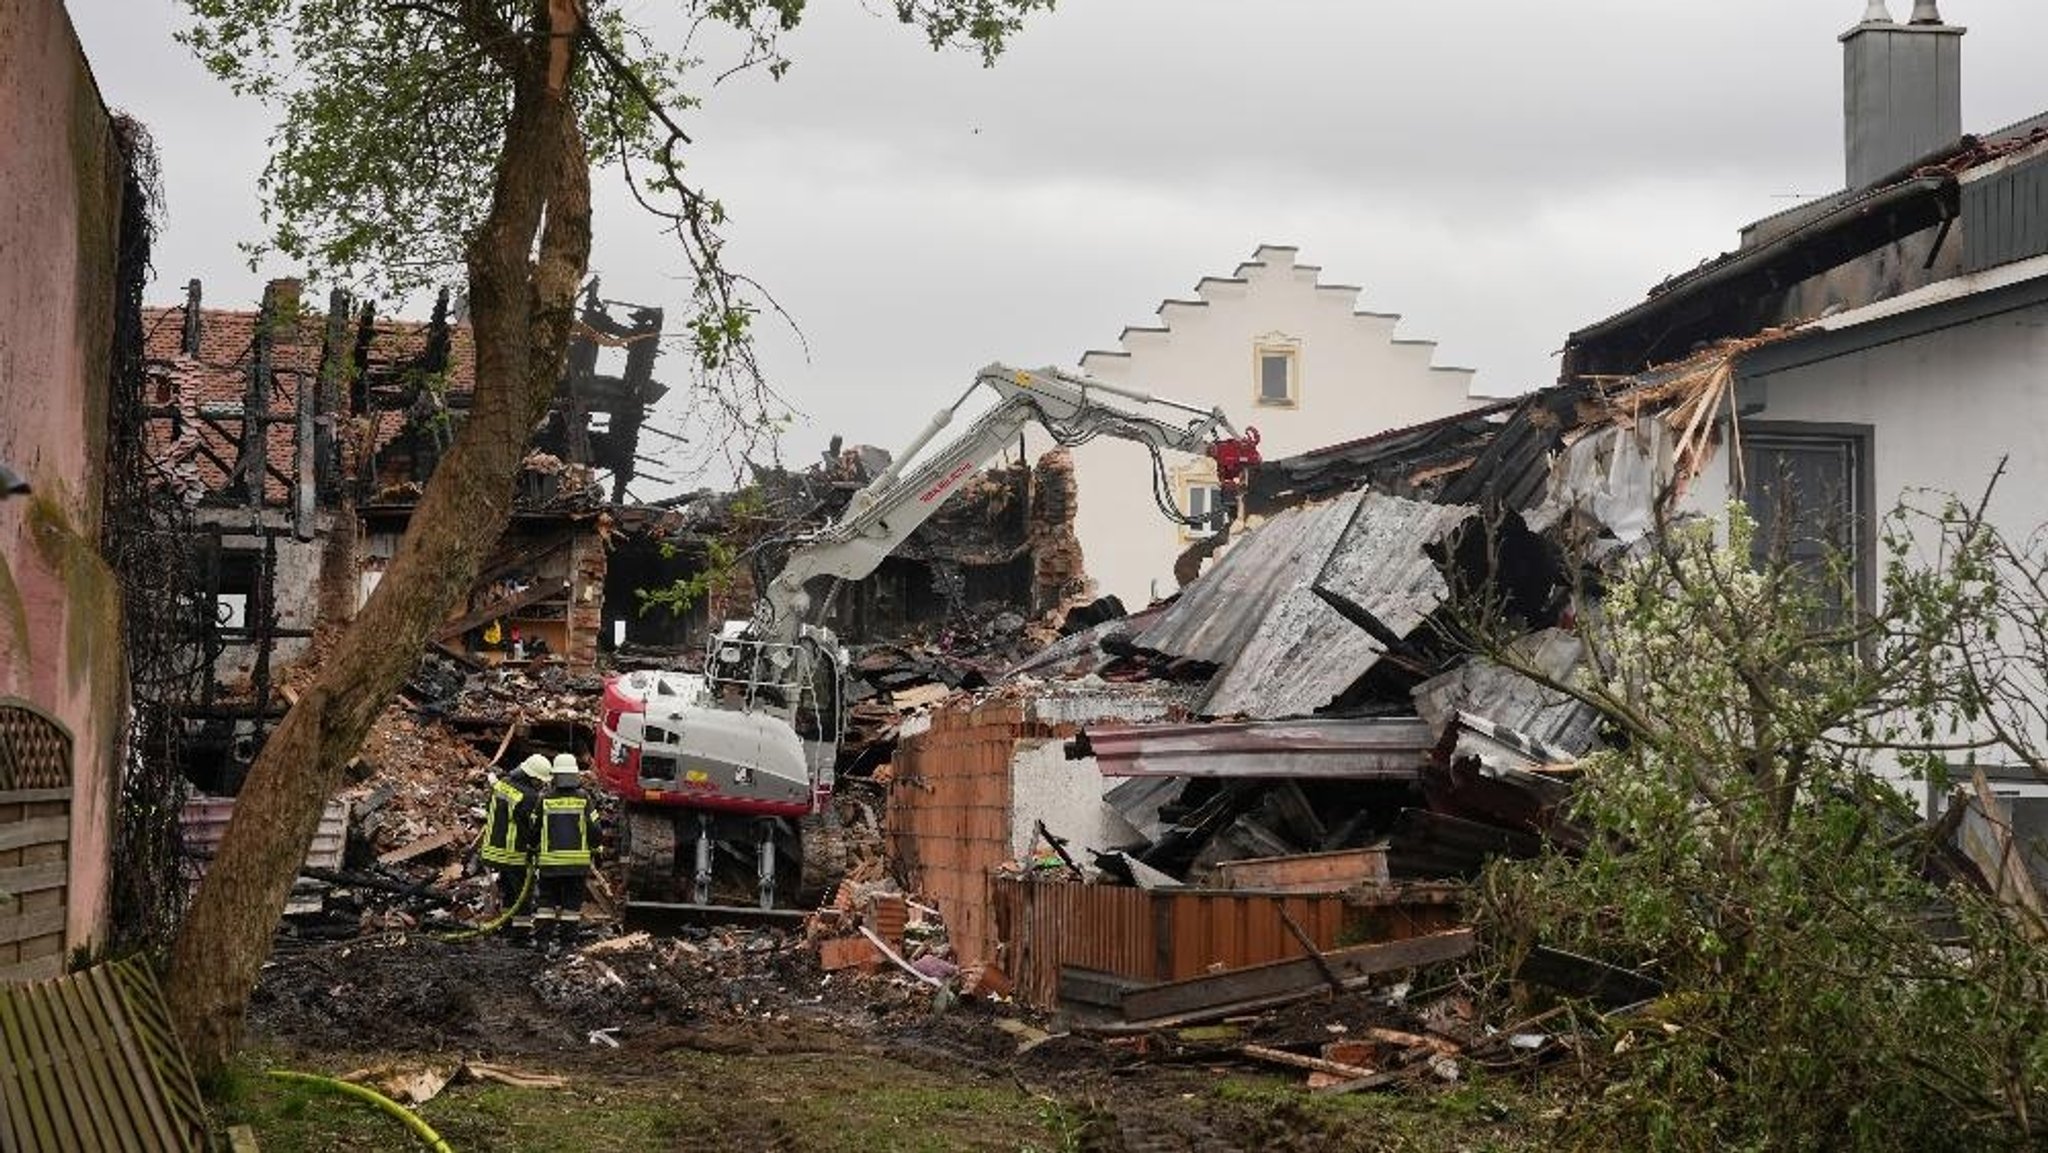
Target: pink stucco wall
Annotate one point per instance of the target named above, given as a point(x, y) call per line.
point(60, 642)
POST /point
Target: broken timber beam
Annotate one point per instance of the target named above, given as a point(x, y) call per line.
point(538, 591)
point(1313, 1064)
point(419, 848)
point(1308, 945)
point(1280, 982)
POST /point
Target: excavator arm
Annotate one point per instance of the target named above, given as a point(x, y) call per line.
point(1072, 408)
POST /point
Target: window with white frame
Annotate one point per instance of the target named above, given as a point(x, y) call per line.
point(1203, 500)
point(1277, 369)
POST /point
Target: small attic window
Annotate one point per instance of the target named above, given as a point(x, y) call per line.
point(1279, 374)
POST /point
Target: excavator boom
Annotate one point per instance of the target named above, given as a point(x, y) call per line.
point(702, 761)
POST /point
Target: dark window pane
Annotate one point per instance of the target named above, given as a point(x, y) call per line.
point(1273, 376)
point(1802, 493)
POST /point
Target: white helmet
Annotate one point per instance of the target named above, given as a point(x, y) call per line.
point(534, 768)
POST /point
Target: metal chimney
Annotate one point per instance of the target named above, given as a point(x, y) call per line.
point(1902, 90)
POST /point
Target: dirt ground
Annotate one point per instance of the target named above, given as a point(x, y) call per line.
point(735, 1040)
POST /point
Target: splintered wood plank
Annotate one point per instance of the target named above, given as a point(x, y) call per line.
point(1284, 979)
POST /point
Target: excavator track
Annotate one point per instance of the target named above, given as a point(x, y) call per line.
point(824, 856)
point(650, 856)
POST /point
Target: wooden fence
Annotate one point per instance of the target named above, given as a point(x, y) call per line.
point(35, 834)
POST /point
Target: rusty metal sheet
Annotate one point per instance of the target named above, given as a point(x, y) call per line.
point(1282, 649)
point(1372, 748)
point(87, 1062)
point(1156, 935)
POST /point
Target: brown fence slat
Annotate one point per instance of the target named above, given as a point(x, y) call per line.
point(66, 1104)
point(30, 925)
point(125, 1094)
point(106, 989)
point(19, 879)
point(77, 1075)
point(146, 1122)
point(144, 1004)
point(21, 1080)
point(37, 969)
point(89, 1049)
point(40, 831)
point(34, 796)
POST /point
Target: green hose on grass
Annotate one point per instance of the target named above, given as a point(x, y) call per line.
point(420, 1128)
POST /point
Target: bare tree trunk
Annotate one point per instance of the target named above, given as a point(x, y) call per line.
point(521, 308)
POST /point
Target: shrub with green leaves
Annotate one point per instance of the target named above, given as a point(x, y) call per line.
point(1821, 993)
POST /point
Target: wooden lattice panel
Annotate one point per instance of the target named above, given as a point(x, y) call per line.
point(35, 751)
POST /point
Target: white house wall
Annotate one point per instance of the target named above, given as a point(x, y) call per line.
point(1354, 378)
point(1942, 408)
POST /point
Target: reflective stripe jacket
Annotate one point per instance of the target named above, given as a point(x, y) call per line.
point(510, 826)
point(567, 832)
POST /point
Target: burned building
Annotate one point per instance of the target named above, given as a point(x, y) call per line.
point(300, 442)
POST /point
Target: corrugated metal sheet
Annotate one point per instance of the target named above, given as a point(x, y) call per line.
point(1218, 614)
point(204, 822)
point(1147, 935)
point(1283, 651)
point(1513, 701)
point(88, 1062)
point(1375, 748)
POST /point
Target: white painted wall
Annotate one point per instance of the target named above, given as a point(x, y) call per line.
point(1943, 407)
point(1067, 796)
point(1354, 378)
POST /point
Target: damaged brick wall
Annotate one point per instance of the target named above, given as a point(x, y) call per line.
point(588, 562)
point(1059, 573)
point(949, 816)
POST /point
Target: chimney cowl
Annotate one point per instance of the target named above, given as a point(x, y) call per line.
point(1901, 90)
point(1877, 13)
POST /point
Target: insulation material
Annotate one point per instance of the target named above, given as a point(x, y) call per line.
point(1610, 475)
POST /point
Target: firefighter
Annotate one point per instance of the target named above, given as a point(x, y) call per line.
point(512, 835)
point(568, 841)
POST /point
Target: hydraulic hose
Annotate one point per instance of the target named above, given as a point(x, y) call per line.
point(411, 1120)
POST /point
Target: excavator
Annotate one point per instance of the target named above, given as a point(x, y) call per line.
point(730, 770)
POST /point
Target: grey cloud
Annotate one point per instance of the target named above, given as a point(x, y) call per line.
point(1498, 171)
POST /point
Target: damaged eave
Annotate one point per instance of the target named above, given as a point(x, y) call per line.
point(1373, 748)
point(1683, 311)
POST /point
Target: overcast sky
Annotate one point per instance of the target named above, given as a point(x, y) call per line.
point(1499, 172)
